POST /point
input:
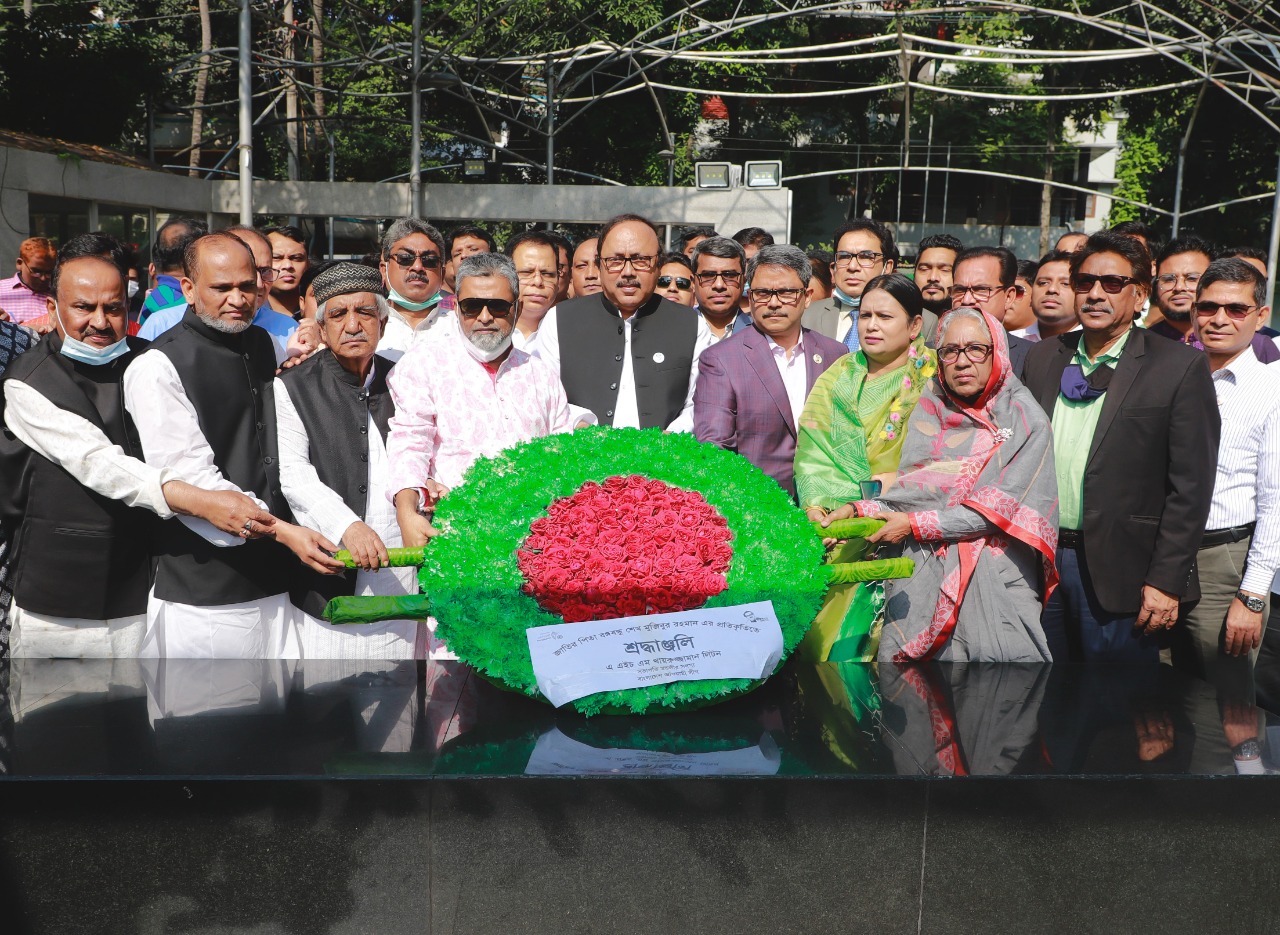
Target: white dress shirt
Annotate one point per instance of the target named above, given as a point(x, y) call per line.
point(172, 439)
point(321, 508)
point(399, 334)
point(626, 412)
point(791, 367)
point(1247, 486)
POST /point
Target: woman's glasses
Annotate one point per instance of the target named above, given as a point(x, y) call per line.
point(950, 353)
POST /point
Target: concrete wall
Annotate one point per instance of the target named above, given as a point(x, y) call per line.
point(23, 173)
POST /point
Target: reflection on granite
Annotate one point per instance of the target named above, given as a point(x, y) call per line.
point(349, 719)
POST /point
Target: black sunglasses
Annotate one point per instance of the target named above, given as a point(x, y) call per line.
point(498, 308)
point(406, 259)
point(1111, 285)
point(664, 282)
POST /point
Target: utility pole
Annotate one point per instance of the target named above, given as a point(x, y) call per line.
point(551, 122)
point(245, 145)
point(415, 117)
point(290, 100)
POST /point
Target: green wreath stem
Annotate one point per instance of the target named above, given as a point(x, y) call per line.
point(347, 610)
point(396, 558)
point(857, 528)
point(879, 570)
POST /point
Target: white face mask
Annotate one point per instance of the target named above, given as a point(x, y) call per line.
point(132, 288)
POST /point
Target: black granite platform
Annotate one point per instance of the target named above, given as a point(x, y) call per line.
point(278, 797)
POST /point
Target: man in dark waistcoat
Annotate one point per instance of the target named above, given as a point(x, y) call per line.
point(204, 403)
point(626, 354)
point(80, 504)
point(332, 414)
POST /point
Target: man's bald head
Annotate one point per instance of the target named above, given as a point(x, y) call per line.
point(221, 241)
point(221, 282)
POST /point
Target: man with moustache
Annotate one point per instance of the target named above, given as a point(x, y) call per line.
point(203, 401)
point(585, 276)
point(1052, 299)
point(1218, 637)
point(935, 262)
point(752, 387)
point(985, 278)
point(718, 280)
point(412, 267)
point(1178, 270)
point(534, 255)
point(333, 412)
point(468, 394)
point(1135, 431)
point(463, 242)
point(626, 354)
point(77, 498)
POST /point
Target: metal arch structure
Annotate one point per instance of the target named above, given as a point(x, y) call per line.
point(1232, 48)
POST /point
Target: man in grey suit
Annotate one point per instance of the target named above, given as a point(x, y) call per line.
point(864, 250)
point(752, 386)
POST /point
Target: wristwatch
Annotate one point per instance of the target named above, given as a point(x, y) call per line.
point(1246, 750)
point(1255, 604)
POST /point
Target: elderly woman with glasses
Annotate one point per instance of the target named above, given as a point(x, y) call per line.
point(976, 504)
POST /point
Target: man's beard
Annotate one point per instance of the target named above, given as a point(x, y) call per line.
point(938, 306)
point(488, 341)
point(1173, 315)
point(226, 327)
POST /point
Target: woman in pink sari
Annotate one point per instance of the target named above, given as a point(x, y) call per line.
point(976, 504)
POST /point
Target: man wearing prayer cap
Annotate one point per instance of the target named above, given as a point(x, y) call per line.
point(332, 413)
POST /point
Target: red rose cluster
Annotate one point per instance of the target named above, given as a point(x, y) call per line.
point(627, 547)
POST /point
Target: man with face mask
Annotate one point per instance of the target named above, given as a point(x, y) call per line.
point(413, 256)
point(468, 394)
point(332, 414)
point(81, 504)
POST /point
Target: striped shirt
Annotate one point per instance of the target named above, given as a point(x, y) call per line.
point(1247, 487)
point(20, 302)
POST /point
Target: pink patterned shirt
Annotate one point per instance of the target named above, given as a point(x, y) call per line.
point(450, 410)
point(20, 302)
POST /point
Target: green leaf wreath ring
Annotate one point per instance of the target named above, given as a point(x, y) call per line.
point(472, 582)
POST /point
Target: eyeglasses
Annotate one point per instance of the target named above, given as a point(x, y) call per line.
point(1236, 310)
point(640, 263)
point(268, 274)
point(405, 259)
point(981, 293)
point(785, 296)
point(731, 277)
point(1169, 280)
point(865, 258)
point(977, 353)
point(498, 308)
point(1111, 285)
point(664, 282)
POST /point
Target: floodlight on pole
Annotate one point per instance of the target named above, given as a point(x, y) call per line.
point(713, 175)
point(763, 174)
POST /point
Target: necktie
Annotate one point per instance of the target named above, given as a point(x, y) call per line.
point(851, 338)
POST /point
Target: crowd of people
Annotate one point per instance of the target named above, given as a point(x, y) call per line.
point(1080, 453)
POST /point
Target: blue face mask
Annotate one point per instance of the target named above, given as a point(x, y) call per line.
point(409, 304)
point(88, 353)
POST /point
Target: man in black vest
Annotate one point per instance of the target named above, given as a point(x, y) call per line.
point(332, 414)
point(629, 356)
point(204, 404)
point(80, 504)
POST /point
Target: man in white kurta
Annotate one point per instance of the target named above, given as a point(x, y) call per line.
point(332, 416)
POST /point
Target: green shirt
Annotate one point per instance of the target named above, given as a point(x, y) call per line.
point(1074, 422)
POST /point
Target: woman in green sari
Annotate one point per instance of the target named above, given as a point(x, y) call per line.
point(851, 431)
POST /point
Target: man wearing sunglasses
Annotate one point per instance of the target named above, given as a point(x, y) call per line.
point(718, 265)
point(1135, 425)
point(413, 268)
point(1218, 638)
point(626, 353)
point(1178, 270)
point(986, 278)
point(467, 394)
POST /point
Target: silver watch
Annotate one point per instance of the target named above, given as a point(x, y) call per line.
point(1255, 604)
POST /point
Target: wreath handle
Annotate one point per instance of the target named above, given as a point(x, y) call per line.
point(353, 610)
point(858, 527)
point(397, 558)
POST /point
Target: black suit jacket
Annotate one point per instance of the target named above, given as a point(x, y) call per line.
point(1150, 474)
point(1019, 348)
